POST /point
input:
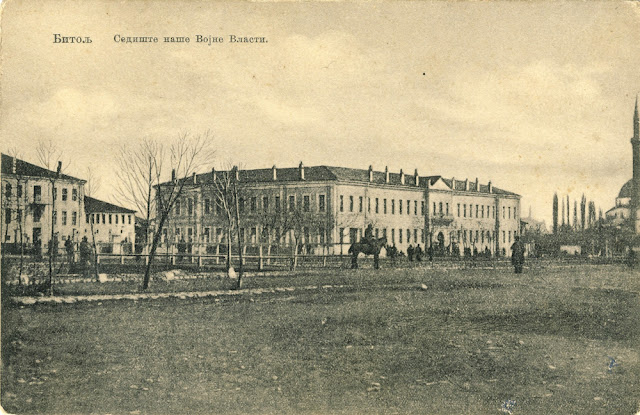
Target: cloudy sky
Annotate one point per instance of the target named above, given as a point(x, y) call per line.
point(536, 97)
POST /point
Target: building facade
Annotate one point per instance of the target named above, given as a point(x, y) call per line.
point(112, 225)
point(34, 199)
point(334, 205)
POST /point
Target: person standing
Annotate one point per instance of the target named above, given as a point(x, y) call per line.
point(517, 255)
point(85, 256)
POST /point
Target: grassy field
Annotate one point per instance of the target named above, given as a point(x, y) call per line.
point(473, 340)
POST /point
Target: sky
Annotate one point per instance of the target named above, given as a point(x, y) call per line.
point(536, 97)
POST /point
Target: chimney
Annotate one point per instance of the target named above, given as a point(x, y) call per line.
point(370, 173)
point(491, 188)
point(59, 168)
point(453, 183)
point(274, 172)
point(477, 185)
point(401, 177)
point(301, 169)
point(13, 166)
point(417, 177)
point(195, 178)
point(173, 175)
point(466, 185)
point(386, 174)
point(213, 175)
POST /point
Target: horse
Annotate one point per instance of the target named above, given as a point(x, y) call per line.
point(370, 247)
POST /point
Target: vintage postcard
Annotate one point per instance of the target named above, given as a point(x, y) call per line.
point(320, 207)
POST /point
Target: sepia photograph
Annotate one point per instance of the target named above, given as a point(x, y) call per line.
point(319, 207)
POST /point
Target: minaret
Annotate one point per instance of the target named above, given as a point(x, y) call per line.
point(635, 194)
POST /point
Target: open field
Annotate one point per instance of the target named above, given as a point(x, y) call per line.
point(471, 341)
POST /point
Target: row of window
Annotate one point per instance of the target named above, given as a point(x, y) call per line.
point(37, 192)
point(218, 235)
point(411, 235)
point(74, 217)
point(480, 236)
point(507, 212)
point(394, 203)
point(112, 218)
point(303, 203)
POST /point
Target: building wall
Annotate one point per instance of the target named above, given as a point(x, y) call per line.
point(69, 205)
point(485, 220)
point(114, 228)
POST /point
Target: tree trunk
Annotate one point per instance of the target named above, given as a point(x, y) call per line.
point(96, 270)
point(154, 247)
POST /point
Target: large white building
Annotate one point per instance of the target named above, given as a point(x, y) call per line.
point(34, 198)
point(339, 203)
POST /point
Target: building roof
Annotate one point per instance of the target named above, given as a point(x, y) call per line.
point(626, 189)
point(344, 174)
point(92, 205)
point(24, 168)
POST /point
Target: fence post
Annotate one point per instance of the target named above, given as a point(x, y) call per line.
point(217, 253)
point(121, 258)
point(199, 261)
point(259, 257)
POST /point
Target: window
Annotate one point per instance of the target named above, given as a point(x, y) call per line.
point(509, 236)
point(19, 191)
point(384, 206)
point(493, 212)
point(400, 207)
point(177, 208)
point(254, 202)
point(292, 203)
point(37, 193)
point(434, 208)
point(207, 206)
point(422, 235)
point(393, 236)
point(305, 203)
point(482, 212)
point(408, 235)
point(399, 236)
point(447, 209)
point(440, 208)
point(7, 191)
point(109, 219)
point(55, 193)
point(458, 209)
point(503, 212)
point(415, 207)
point(369, 204)
point(65, 192)
point(377, 205)
point(514, 212)
point(87, 217)
point(241, 204)
point(384, 232)
point(277, 201)
point(476, 236)
point(123, 219)
point(488, 209)
point(393, 206)
point(74, 194)
point(504, 237)
point(7, 215)
point(74, 218)
point(37, 213)
point(464, 235)
point(509, 212)
point(103, 218)
point(415, 235)
point(321, 203)
point(55, 217)
point(129, 217)
point(360, 204)
point(205, 235)
point(19, 215)
point(350, 203)
point(408, 207)
point(116, 217)
point(341, 203)
point(254, 233)
point(422, 208)
point(97, 217)
point(477, 211)
point(341, 232)
point(465, 210)
point(265, 203)
point(470, 211)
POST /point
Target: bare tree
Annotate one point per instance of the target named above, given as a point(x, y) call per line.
point(48, 156)
point(90, 189)
point(136, 179)
point(225, 194)
point(185, 156)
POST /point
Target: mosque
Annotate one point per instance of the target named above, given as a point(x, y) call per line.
point(627, 202)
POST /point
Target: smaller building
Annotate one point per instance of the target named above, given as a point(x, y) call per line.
point(112, 225)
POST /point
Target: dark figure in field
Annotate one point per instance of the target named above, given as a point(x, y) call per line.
point(631, 257)
point(487, 252)
point(68, 247)
point(410, 252)
point(517, 255)
point(85, 255)
point(368, 234)
point(430, 253)
point(418, 253)
point(368, 248)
